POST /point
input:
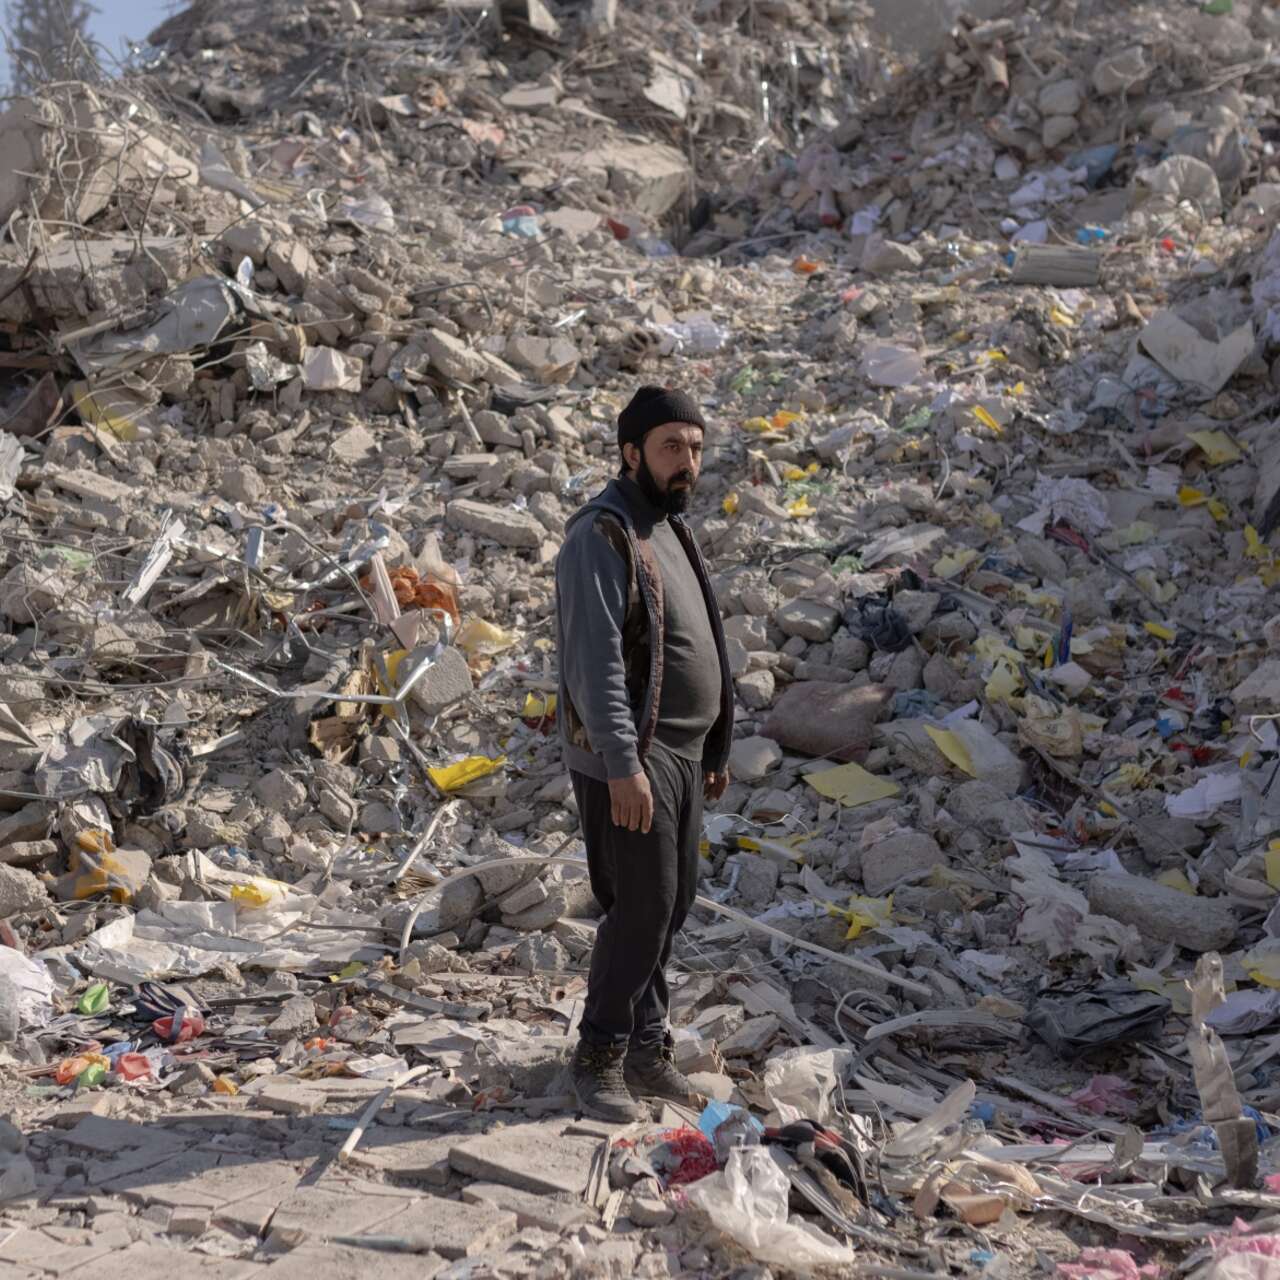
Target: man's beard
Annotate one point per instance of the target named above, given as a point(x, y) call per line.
point(674, 502)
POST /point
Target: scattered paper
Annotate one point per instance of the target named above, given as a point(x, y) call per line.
point(852, 785)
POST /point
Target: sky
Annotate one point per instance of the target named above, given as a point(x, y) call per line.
point(115, 22)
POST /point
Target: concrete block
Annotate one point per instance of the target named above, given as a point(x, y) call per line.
point(531, 1157)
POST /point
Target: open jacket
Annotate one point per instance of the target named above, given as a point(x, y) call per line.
point(609, 626)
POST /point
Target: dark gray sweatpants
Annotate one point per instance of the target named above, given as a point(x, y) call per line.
point(646, 885)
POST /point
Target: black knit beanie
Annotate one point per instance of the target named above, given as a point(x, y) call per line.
point(652, 407)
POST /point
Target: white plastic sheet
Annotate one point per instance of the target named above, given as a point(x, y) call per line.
point(1206, 797)
point(799, 1082)
point(31, 984)
point(748, 1203)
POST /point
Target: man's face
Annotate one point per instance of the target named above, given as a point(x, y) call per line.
point(666, 465)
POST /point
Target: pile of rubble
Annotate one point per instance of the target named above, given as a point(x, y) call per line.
point(311, 346)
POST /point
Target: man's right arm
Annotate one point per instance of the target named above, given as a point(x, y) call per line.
point(592, 581)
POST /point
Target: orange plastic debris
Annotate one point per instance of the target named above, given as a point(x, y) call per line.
point(413, 593)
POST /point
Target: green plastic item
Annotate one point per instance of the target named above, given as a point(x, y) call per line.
point(91, 1077)
point(95, 1000)
point(1219, 7)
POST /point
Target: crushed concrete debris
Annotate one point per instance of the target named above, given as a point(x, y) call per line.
point(314, 324)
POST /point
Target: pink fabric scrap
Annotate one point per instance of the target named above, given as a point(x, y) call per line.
point(1106, 1094)
point(1107, 1264)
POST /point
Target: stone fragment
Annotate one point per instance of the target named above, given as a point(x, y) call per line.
point(1118, 72)
point(504, 525)
point(823, 719)
point(1259, 692)
point(646, 178)
point(751, 633)
point(279, 792)
point(916, 608)
point(1055, 130)
point(980, 805)
point(296, 1017)
point(648, 1210)
point(807, 619)
point(459, 901)
point(27, 853)
point(882, 257)
point(541, 916)
point(290, 1099)
point(1063, 98)
point(1162, 839)
point(739, 656)
point(1157, 911)
point(28, 591)
point(21, 692)
point(906, 670)
point(20, 891)
point(446, 681)
point(751, 758)
point(756, 877)
point(292, 264)
point(353, 446)
point(530, 894)
point(453, 357)
point(549, 360)
point(903, 857)
point(756, 689)
point(242, 484)
point(751, 1037)
point(540, 953)
point(247, 240)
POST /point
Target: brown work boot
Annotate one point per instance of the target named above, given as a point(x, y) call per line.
point(651, 1070)
point(599, 1086)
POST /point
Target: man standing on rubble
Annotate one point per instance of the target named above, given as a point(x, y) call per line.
point(646, 722)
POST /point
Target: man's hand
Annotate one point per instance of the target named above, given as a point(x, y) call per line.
point(631, 802)
point(714, 784)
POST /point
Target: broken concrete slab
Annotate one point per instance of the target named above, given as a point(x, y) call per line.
point(452, 1228)
point(550, 1213)
point(350, 1262)
point(504, 525)
point(536, 1157)
point(315, 1213)
point(1157, 911)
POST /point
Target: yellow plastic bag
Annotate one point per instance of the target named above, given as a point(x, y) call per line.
point(867, 913)
point(105, 410)
point(258, 892)
point(955, 562)
point(538, 706)
point(96, 866)
point(480, 639)
point(453, 777)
